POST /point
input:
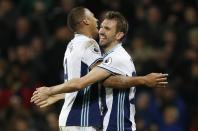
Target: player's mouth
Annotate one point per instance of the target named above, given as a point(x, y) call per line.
point(102, 37)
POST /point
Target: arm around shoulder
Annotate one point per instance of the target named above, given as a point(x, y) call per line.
point(121, 82)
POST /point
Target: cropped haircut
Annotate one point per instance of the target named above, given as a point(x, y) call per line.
point(75, 16)
point(122, 23)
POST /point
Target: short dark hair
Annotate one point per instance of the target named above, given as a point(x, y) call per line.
point(75, 16)
point(122, 23)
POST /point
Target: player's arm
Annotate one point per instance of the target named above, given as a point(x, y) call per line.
point(95, 75)
point(50, 100)
point(150, 80)
point(43, 100)
point(99, 74)
point(120, 81)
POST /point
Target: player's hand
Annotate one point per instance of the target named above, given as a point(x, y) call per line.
point(156, 80)
point(47, 102)
point(40, 94)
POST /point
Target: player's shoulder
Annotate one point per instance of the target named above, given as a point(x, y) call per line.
point(118, 56)
point(84, 39)
point(119, 52)
point(91, 42)
point(84, 42)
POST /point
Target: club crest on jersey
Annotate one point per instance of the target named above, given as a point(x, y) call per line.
point(108, 61)
point(95, 50)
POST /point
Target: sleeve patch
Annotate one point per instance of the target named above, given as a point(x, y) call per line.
point(108, 61)
point(95, 49)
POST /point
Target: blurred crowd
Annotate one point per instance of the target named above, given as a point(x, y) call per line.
point(163, 37)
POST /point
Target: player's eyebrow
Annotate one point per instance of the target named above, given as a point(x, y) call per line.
point(106, 27)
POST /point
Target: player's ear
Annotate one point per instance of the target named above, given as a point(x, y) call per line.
point(119, 36)
point(86, 21)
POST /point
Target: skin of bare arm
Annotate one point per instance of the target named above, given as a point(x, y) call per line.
point(119, 81)
point(99, 74)
point(95, 75)
point(150, 80)
point(45, 96)
point(50, 100)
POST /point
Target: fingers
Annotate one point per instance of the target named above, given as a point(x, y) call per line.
point(37, 97)
point(35, 92)
point(161, 79)
point(41, 103)
point(160, 75)
point(162, 84)
point(34, 98)
point(38, 100)
point(44, 105)
point(164, 75)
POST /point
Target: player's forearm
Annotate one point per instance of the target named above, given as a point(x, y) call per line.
point(119, 81)
point(59, 96)
point(70, 86)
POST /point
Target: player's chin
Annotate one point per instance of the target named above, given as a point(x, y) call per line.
point(102, 43)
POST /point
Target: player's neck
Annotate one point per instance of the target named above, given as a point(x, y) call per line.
point(110, 46)
point(84, 32)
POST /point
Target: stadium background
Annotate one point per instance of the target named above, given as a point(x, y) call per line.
point(163, 37)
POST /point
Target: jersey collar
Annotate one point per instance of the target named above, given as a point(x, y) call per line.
point(112, 49)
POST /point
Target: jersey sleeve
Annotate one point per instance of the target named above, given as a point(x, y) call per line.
point(92, 53)
point(113, 64)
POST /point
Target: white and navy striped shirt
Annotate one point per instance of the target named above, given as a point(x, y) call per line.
point(119, 103)
point(81, 108)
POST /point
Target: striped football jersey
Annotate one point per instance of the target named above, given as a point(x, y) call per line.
point(119, 108)
point(81, 108)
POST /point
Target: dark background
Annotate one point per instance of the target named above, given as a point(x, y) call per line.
point(163, 37)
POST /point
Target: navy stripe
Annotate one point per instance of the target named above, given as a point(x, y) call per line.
point(95, 117)
point(74, 117)
point(127, 123)
point(122, 110)
point(66, 73)
point(120, 114)
point(112, 126)
point(85, 110)
point(103, 102)
point(84, 69)
point(134, 73)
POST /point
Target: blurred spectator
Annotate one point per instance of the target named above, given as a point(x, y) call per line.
point(58, 16)
point(143, 114)
point(170, 120)
point(136, 46)
point(26, 7)
point(190, 16)
point(8, 16)
point(2, 73)
point(23, 32)
point(52, 120)
point(19, 123)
